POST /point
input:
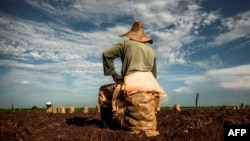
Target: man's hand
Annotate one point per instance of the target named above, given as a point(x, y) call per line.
point(117, 77)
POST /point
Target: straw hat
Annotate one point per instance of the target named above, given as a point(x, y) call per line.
point(137, 33)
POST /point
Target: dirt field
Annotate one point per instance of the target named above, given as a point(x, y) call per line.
point(187, 125)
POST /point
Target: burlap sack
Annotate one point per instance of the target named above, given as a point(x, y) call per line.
point(118, 102)
point(140, 113)
point(142, 81)
point(136, 108)
point(140, 125)
point(139, 100)
point(138, 116)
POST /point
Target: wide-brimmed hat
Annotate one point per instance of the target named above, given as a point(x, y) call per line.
point(137, 33)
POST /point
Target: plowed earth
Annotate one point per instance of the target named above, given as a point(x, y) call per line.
point(187, 125)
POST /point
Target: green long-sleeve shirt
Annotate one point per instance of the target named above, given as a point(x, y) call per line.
point(135, 56)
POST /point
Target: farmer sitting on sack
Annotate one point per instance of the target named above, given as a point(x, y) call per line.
point(136, 90)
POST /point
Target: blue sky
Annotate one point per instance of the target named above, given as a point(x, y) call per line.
point(50, 50)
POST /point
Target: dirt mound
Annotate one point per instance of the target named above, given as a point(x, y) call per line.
point(187, 125)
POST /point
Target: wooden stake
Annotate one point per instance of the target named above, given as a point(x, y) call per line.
point(196, 100)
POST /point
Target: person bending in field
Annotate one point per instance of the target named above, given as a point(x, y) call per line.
point(136, 90)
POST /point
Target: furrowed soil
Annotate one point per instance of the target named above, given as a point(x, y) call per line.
point(186, 125)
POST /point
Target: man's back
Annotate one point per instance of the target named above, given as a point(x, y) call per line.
point(137, 57)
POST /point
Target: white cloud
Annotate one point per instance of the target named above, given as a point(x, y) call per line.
point(237, 78)
point(184, 17)
point(213, 62)
point(237, 27)
point(182, 90)
point(237, 70)
point(210, 17)
point(38, 41)
point(233, 78)
point(24, 82)
point(71, 49)
point(95, 11)
point(69, 66)
point(237, 83)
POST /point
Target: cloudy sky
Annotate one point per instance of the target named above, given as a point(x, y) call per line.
point(50, 50)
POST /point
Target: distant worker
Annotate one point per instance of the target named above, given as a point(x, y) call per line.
point(49, 104)
point(136, 89)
